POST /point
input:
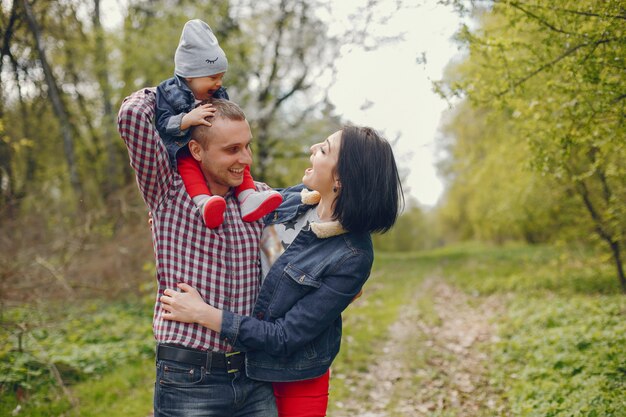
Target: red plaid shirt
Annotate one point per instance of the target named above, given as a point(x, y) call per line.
point(222, 264)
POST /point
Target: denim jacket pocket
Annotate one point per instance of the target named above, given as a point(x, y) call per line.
point(292, 286)
point(301, 277)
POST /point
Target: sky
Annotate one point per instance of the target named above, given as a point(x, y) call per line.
point(398, 89)
point(389, 89)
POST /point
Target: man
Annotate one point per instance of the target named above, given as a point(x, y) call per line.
point(197, 373)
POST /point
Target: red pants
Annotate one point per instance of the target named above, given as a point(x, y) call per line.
point(193, 178)
point(308, 398)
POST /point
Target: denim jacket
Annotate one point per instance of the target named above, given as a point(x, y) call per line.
point(295, 331)
point(174, 99)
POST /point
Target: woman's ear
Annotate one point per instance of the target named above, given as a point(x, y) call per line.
point(195, 149)
point(337, 186)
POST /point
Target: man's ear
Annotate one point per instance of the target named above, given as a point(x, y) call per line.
point(195, 149)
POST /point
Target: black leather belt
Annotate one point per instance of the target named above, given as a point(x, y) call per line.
point(229, 362)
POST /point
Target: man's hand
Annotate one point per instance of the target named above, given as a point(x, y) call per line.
point(197, 117)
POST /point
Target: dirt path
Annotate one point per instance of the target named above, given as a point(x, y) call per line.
point(431, 364)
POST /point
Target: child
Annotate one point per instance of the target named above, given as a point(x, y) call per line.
point(200, 65)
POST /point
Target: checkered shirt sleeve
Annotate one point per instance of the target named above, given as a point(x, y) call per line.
point(222, 264)
point(148, 156)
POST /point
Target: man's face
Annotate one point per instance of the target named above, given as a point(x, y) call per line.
point(226, 154)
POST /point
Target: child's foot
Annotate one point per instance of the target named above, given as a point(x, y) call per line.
point(213, 211)
point(256, 204)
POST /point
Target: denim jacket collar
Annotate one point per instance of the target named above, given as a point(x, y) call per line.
point(181, 83)
point(296, 201)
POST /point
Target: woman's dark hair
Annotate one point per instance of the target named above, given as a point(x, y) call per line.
point(370, 193)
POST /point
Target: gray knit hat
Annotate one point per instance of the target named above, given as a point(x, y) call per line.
point(198, 53)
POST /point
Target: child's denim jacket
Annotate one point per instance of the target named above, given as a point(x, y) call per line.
point(295, 330)
point(174, 99)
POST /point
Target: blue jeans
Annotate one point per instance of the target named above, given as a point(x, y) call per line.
point(191, 391)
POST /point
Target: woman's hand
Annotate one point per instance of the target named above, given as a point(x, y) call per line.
point(189, 307)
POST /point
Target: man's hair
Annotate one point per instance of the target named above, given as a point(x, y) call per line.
point(370, 194)
point(225, 109)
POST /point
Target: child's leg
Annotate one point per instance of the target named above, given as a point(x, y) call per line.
point(191, 173)
point(255, 204)
point(212, 207)
point(308, 398)
point(247, 184)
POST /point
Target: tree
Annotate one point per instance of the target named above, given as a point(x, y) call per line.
point(278, 52)
point(413, 231)
point(55, 96)
point(52, 70)
point(64, 76)
point(555, 72)
point(493, 193)
point(113, 180)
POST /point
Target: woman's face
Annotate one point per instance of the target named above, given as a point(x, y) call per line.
point(321, 176)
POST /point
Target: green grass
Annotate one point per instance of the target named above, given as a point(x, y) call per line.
point(99, 351)
point(522, 269)
point(561, 348)
point(564, 356)
point(125, 391)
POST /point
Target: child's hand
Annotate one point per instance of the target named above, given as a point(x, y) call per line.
point(197, 117)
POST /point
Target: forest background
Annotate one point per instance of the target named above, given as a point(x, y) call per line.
point(533, 144)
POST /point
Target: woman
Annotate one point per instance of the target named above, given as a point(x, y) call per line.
point(295, 331)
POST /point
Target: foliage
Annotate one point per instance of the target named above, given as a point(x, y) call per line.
point(493, 194)
point(279, 52)
point(545, 91)
point(38, 350)
point(125, 390)
point(414, 230)
point(564, 356)
point(49, 88)
point(282, 59)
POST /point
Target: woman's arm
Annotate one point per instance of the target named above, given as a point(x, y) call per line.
point(304, 321)
point(309, 316)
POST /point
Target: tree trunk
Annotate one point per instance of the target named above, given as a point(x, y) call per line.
point(6, 169)
point(57, 104)
point(615, 248)
point(31, 160)
point(8, 34)
point(113, 163)
point(603, 232)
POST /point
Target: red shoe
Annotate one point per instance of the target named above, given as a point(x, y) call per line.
point(213, 211)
